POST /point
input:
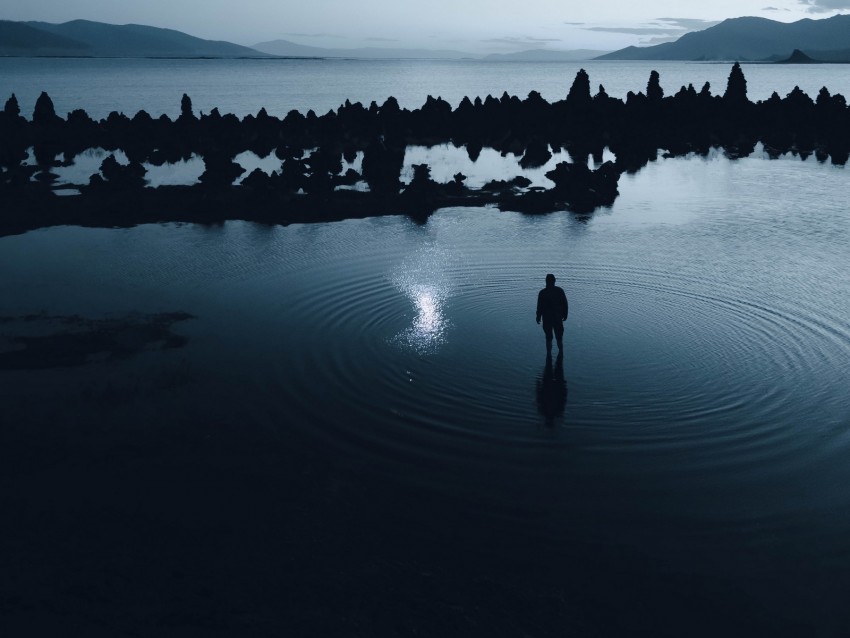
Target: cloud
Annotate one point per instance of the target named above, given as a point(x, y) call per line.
point(434, 36)
point(659, 40)
point(661, 29)
point(637, 30)
point(774, 9)
point(524, 41)
point(377, 39)
point(690, 24)
point(313, 35)
point(825, 6)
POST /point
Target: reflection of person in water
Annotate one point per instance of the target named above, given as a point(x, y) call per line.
point(552, 308)
point(552, 390)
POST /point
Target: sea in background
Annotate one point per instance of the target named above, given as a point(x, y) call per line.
point(681, 471)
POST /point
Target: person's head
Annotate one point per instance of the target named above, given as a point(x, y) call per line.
point(550, 280)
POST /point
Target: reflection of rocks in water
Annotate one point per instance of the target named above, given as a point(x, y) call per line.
point(552, 390)
point(43, 341)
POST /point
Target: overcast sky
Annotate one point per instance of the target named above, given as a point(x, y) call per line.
point(468, 25)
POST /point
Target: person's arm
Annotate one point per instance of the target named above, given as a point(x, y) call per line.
point(566, 305)
point(539, 305)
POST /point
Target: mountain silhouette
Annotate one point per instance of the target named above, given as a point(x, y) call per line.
point(285, 48)
point(544, 55)
point(750, 39)
point(98, 39)
point(17, 38)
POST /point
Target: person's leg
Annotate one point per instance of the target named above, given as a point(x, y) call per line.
point(547, 329)
point(559, 335)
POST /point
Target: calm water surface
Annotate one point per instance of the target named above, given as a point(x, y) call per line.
point(701, 413)
point(244, 86)
point(698, 419)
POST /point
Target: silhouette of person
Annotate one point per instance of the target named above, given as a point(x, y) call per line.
point(552, 308)
point(552, 390)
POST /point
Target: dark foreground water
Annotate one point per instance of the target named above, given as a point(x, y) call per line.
point(683, 470)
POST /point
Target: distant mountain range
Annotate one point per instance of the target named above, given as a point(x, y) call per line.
point(743, 39)
point(99, 40)
point(752, 39)
point(287, 49)
point(544, 55)
point(84, 38)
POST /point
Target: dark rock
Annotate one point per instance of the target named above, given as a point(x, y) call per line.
point(537, 154)
point(798, 57)
point(654, 92)
point(736, 87)
point(579, 95)
point(11, 108)
point(44, 114)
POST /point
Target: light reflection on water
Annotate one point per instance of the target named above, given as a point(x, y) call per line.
point(429, 327)
point(87, 163)
point(425, 281)
point(445, 160)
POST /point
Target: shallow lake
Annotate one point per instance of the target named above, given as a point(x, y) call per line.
point(699, 414)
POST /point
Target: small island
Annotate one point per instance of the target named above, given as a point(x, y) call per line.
point(798, 57)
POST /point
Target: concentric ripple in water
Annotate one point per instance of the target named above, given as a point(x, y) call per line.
point(431, 350)
point(703, 372)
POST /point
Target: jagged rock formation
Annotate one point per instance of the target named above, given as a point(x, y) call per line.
point(312, 184)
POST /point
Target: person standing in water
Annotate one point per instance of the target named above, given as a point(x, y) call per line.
point(552, 308)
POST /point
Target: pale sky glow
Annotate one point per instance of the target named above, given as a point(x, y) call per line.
point(476, 26)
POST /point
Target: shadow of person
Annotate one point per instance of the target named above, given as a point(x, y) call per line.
point(552, 390)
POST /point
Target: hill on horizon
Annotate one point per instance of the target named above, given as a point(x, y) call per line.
point(98, 39)
point(87, 38)
point(286, 48)
point(751, 39)
point(545, 55)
